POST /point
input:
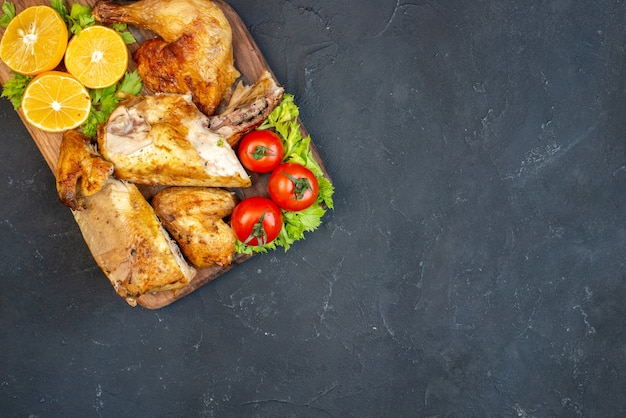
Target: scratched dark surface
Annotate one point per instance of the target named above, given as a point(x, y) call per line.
point(474, 265)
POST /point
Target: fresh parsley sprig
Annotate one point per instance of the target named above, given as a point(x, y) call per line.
point(14, 88)
point(104, 101)
point(284, 121)
point(8, 13)
point(126, 35)
point(78, 18)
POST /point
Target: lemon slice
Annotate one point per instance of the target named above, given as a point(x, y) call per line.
point(34, 41)
point(97, 57)
point(54, 101)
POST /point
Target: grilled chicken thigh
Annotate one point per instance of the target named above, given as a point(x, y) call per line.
point(165, 140)
point(193, 53)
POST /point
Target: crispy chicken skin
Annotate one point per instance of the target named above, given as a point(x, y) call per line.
point(193, 216)
point(193, 52)
point(129, 243)
point(80, 170)
point(165, 140)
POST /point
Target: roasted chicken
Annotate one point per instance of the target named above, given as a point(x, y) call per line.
point(193, 216)
point(165, 140)
point(193, 53)
point(129, 243)
point(81, 171)
point(174, 138)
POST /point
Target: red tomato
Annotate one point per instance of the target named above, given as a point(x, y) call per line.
point(261, 151)
point(256, 221)
point(293, 187)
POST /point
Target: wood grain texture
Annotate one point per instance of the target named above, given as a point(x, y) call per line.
point(250, 62)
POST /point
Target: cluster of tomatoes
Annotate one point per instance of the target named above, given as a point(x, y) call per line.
point(291, 186)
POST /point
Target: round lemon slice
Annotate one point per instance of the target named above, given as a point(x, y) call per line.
point(97, 57)
point(55, 101)
point(34, 41)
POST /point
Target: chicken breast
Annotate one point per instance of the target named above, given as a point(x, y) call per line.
point(193, 216)
point(129, 243)
point(193, 53)
point(165, 140)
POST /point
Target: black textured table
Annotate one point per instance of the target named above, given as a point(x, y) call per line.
point(474, 265)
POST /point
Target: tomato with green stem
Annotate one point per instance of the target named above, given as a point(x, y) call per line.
point(261, 151)
point(256, 221)
point(293, 187)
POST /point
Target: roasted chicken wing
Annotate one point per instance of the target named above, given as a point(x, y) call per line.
point(193, 216)
point(80, 170)
point(193, 52)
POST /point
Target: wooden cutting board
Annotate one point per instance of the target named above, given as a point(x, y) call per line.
point(249, 61)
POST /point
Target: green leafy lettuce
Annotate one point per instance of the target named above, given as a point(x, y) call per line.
point(284, 121)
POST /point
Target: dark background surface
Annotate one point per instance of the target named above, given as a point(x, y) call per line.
point(474, 265)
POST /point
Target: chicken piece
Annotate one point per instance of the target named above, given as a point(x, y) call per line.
point(165, 140)
point(248, 107)
point(194, 51)
point(129, 243)
point(193, 216)
point(80, 170)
